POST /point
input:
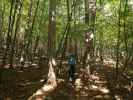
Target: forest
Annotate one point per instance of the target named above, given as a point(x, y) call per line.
point(66, 49)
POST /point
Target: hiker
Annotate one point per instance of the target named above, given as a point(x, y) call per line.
point(72, 63)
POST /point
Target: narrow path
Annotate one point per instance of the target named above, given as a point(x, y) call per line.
point(84, 89)
point(101, 86)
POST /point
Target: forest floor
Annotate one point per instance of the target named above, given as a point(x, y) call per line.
point(101, 85)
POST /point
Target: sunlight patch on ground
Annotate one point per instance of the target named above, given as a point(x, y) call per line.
point(42, 92)
point(27, 64)
point(95, 77)
point(47, 88)
point(42, 80)
point(86, 87)
point(60, 80)
point(117, 97)
point(35, 65)
point(94, 87)
point(104, 90)
point(110, 62)
point(98, 97)
point(39, 92)
point(100, 82)
point(101, 89)
point(83, 93)
point(102, 97)
point(78, 84)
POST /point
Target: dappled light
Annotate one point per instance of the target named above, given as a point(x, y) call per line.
point(78, 84)
point(104, 90)
point(117, 97)
point(109, 61)
point(94, 87)
point(66, 49)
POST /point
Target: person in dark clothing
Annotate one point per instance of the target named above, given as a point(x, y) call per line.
point(72, 63)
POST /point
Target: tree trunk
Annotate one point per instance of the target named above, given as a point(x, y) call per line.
point(31, 30)
point(51, 42)
point(87, 17)
point(8, 38)
point(28, 34)
point(125, 37)
point(90, 14)
point(118, 42)
point(2, 25)
point(101, 46)
point(15, 33)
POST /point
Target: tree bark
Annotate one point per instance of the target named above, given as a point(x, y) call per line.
point(15, 33)
point(118, 42)
point(8, 38)
point(90, 14)
point(51, 42)
point(125, 37)
point(2, 25)
point(28, 28)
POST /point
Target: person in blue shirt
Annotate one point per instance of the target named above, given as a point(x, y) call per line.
point(72, 63)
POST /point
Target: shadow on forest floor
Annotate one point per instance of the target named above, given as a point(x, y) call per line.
point(24, 84)
point(100, 86)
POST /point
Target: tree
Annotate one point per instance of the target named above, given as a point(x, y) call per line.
point(8, 38)
point(19, 6)
point(51, 42)
point(90, 14)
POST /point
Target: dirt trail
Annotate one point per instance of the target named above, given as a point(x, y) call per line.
point(101, 86)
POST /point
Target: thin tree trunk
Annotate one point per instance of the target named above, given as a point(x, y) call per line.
point(101, 46)
point(87, 17)
point(125, 37)
point(15, 33)
point(27, 35)
point(8, 38)
point(36, 44)
point(118, 42)
point(32, 27)
point(2, 25)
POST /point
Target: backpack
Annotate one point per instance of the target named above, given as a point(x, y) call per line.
point(71, 60)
